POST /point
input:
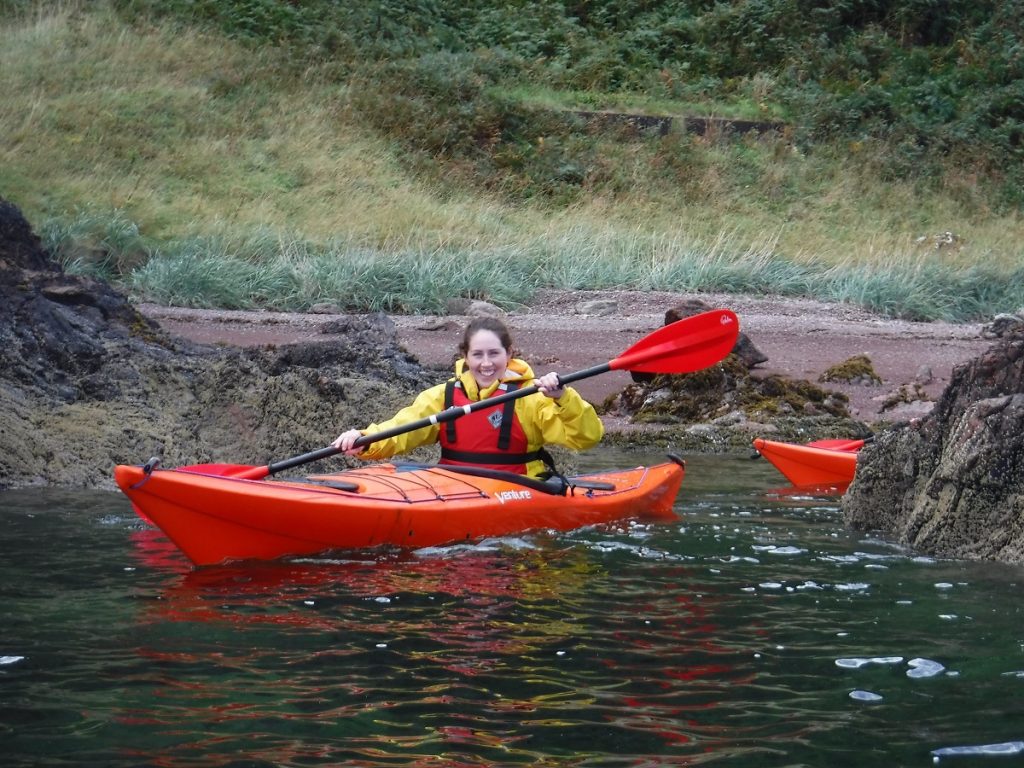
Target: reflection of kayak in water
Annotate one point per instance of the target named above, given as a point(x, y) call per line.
point(214, 517)
point(820, 463)
point(334, 593)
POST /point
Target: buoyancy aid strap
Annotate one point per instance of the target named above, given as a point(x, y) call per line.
point(507, 414)
point(449, 399)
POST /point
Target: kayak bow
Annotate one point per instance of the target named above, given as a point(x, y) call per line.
point(821, 463)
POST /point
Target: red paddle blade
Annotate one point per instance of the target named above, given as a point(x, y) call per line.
point(687, 345)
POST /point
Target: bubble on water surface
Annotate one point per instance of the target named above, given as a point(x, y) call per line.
point(858, 663)
point(773, 550)
point(864, 696)
point(853, 587)
point(809, 585)
point(1007, 748)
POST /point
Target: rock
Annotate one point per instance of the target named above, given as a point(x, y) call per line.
point(20, 247)
point(87, 382)
point(907, 393)
point(377, 326)
point(484, 309)
point(325, 308)
point(728, 394)
point(599, 308)
point(952, 482)
point(457, 306)
point(472, 308)
point(856, 370)
point(1002, 324)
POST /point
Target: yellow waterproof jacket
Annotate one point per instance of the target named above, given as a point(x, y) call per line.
point(569, 421)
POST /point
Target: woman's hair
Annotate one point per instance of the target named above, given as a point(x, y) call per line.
point(492, 324)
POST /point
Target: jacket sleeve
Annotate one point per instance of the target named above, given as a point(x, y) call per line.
point(569, 421)
point(428, 402)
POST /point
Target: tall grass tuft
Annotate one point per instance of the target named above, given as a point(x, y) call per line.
point(99, 244)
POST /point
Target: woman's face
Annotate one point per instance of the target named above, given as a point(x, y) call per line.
point(486, 358)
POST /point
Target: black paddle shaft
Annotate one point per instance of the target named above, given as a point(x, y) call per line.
point(449, 414)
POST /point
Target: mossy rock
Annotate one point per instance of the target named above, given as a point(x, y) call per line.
point(857, 370)
point(719, 390)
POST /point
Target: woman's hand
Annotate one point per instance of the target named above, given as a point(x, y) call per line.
point(549, 385)
point(345, 441)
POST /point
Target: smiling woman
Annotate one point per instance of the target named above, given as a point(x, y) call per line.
point(510, 438)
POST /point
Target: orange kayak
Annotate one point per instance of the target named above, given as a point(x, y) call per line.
point(820, 463)
point(213, 517)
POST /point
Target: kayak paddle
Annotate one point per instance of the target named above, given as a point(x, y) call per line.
point(685, 346)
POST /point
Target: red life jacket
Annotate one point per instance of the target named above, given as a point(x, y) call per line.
point(491, 438)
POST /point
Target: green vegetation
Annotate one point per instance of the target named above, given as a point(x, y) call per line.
point(395, 153)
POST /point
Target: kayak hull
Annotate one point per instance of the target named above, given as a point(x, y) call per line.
point(815, 464)
point(214, 518)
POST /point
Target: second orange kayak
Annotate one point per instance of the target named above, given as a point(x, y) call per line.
point(824, 462)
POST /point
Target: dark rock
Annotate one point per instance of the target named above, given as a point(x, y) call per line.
point(952, 484)
point(731, 388)
point(87, 382)
point(1002, 324)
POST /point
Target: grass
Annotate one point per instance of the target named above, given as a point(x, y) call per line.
point(194, 170)
point(744, 106)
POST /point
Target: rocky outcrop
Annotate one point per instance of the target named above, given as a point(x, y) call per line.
point(728, 404)
point(86, 382)
point(952, 484)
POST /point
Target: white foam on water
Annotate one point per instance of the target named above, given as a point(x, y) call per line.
point(924, 668)
point(785, 550)
point(841, 558)
point(864, 696)
point(4, 660)
point(1007, 748)
point(858, 663)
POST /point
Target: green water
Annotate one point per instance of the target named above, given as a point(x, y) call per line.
point(754, 631)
